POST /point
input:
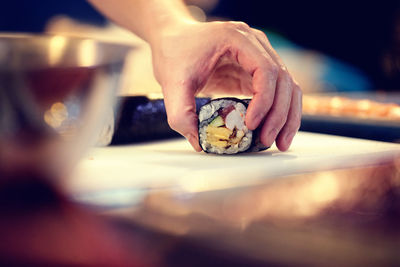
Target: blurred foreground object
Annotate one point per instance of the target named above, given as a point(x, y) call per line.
point(327, 201)
point(54, 91)
point(328, 218)
point(54, 94)
point(40, 227)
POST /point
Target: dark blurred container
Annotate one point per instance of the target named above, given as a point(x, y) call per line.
point(141, 119)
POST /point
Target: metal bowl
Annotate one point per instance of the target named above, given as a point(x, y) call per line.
point(54, 94)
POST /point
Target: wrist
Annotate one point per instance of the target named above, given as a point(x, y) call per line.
point(167, 26)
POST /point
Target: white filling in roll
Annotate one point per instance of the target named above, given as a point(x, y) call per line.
point(222, 128)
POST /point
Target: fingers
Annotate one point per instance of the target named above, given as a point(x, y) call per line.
point(263, 39)
point(283, 119)
point(181, 112)
point(264, 84)
point(277, 115)
point(276, 103)
point(293, 121)
point(253, 58)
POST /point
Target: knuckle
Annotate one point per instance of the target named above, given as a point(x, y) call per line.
point(284, 71)
point(182, 121)
point(242, 25)
point(174, 121)
point(273, 70)
point(296, 83)
point(296, 86)
point(261, 34)
point(229, 24)
point(236, 27)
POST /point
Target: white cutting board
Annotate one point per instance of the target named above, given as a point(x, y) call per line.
point(173, 164)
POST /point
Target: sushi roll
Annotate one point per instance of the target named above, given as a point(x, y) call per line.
point(141, 119)
point(222, 128)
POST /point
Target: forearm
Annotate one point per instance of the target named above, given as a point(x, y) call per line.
point(146, 18)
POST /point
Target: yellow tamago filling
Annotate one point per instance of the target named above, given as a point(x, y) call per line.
point(222, 136)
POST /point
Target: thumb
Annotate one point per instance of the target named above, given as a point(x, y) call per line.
point(181, 112)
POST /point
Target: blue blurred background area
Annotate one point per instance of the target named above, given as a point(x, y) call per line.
point(32, 16)
point(365, 34)
point(358, 43)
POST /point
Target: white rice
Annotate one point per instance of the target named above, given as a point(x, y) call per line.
point(209, 111)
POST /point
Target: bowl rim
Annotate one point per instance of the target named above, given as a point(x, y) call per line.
point(121, 50)
point(46, 35)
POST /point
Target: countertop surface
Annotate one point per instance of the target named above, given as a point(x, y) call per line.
point(109, 174)
point(329, 200)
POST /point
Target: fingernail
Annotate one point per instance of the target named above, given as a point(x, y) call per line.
point(194, 142)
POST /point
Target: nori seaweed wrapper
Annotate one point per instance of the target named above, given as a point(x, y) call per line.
point(256, 144)
point(141, 119)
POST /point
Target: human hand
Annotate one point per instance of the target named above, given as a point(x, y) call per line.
point(229, 58)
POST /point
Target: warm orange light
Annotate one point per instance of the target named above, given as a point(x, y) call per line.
point(56, 115)
point(57, 46)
